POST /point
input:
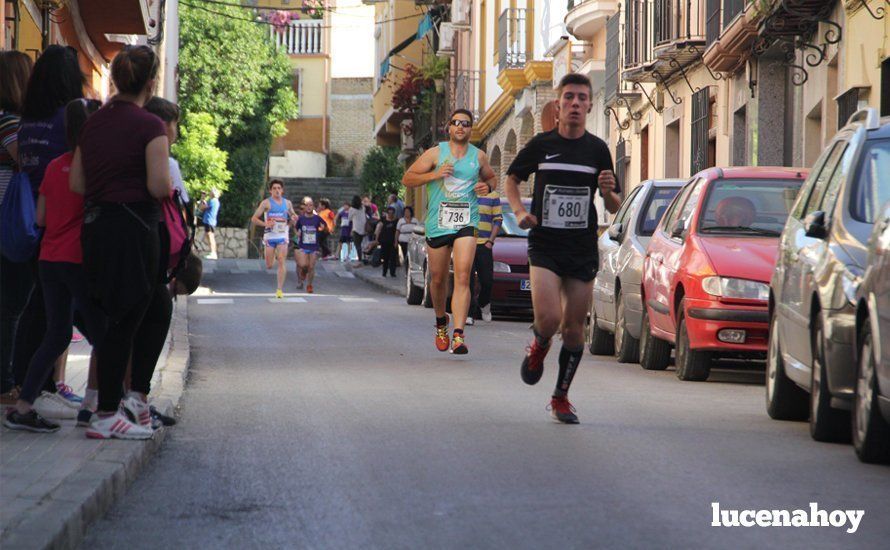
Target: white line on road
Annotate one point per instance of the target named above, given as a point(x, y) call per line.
point(345, 274)
point(356, 299)
point(215, 301)
point(287, 300)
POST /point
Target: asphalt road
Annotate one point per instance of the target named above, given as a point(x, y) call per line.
point(334, 423)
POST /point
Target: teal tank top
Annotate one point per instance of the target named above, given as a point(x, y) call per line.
point(452, 203)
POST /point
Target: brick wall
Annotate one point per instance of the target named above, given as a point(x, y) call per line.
point(303, 134)
point(352, 118)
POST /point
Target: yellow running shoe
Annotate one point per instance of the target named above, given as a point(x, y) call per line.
point(279, 293)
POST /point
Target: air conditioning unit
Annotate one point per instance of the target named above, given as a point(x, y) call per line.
point(460, 14)
point(446, 39)
point(406, 135)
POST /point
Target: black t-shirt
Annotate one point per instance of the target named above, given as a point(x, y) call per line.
point(388, 231)
point(566, 172)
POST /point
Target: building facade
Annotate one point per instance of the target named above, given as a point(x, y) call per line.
point(352, 125)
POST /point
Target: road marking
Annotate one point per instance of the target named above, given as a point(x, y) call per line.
point(345, 274)
point(356, 299)
point(215, 301)
point(287, 300)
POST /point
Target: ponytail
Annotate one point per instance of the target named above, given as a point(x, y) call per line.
point(132, 69)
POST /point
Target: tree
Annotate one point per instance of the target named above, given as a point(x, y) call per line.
point(382, 172)
point(229, 67)
point(203, 164)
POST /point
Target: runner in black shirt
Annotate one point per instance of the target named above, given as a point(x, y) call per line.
point(569, 164)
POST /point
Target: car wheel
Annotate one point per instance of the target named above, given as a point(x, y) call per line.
point(655, 353)
point(427, 292)
point(785, 400)
point(599, 341)
point(627, 348)
point(826, 423)
point(692, 365)
point(871, 431)
point(413, 295)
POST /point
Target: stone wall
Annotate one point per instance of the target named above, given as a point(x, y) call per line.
point(231, 242)
point(352, 119)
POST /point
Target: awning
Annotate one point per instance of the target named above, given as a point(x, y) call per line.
point(384, 65)
point(426, 24)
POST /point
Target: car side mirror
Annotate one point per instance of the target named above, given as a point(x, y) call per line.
point(678, 229)
point(814, 225)
point(419, 230)
point(615, 231)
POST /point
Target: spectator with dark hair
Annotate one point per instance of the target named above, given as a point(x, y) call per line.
point(15, 281)
point(345, 231)
point(405, 227)
point(170, 113)
point(61, 277)
point(324, 210)
point(358, 219)
point(55, 81)
point(122, 168)
point(389, 244)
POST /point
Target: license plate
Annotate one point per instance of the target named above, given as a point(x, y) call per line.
point(525, 284)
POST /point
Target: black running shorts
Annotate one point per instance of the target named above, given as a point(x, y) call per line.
point(448, 240)
point(582, 268)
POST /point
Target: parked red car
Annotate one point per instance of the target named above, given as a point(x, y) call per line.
point(707, 268)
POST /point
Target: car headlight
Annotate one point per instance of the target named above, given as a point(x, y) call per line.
point(501, 267)
point(850, 285)
point(728, 287)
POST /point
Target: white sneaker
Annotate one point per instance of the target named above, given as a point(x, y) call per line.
point(137, 411)
point(211, 257)
point(117, 426)
point(53, 405)
point(486, 313)
point(470, 321)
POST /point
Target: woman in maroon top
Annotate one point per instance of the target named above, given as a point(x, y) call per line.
point(121, 168)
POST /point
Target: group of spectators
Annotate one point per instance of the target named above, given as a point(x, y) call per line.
point(374, 239)
point(106, 194)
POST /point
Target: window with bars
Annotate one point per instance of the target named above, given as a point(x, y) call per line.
point(701, 122)
point(621, 162)
point(847, 104)
point(11, 25)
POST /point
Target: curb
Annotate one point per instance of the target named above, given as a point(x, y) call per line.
point(359, 274)
point(62, 517)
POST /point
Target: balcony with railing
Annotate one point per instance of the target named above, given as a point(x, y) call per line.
point(585, 18)
point(301, 37)
point(512, 42)
point(731, 30)
point(662, 37)
point(462, 92)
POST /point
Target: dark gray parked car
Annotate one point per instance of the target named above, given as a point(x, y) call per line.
point(871, 408)
point(616, 311)
point(822, 257)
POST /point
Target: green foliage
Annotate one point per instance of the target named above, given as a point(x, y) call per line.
point(202, 163)
point(436, 68)
point(339, 166)
point(381, 173)
point(248, 165)
point(230, 69)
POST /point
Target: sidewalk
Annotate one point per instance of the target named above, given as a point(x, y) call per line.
point(52, 486)
point(374, 276)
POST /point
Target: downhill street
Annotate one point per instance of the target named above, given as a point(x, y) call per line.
point(334, 423)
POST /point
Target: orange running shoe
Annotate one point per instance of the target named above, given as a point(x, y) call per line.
point(309, 289)
point(458, 346)
point(442, 341)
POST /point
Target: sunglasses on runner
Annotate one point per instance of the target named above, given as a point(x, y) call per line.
point(464, 123)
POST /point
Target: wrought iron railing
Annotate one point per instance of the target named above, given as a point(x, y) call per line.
point(701, 119)
point(462, 92)
point(613, 59)
point(677, 20)
point(637, 32)
point(719, 14)
point(512, 38)
point(300, 37)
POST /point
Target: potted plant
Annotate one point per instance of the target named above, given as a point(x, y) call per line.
point(437, 69)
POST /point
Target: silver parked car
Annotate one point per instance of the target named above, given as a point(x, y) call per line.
point(871, 403)
point(617, 310)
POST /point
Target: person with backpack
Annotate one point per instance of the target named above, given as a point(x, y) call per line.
point(61, 277)
point(121, 166)
point(15, 68)
point(55, 81)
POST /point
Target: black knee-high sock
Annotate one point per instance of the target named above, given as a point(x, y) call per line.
point(568, 366)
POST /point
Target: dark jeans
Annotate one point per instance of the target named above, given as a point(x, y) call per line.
point(30, 331)
point(357, 241)
point(64, 290)
point(390, 255)
point(324, 243)
point(483, 266)
point(150, 337)
point(16, 284)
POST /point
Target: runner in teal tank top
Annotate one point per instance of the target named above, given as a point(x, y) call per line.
point(452, 201)
point(455, 174)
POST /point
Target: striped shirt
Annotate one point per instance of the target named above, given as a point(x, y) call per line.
point(489, 216)
point(9, 126)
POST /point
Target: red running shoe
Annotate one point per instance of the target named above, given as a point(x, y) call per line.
point(562, 411)
point(458, 346)
point(533, 364)
point(442, 340)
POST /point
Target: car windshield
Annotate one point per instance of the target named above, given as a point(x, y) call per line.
point(872, 184)
point(510, 227)
point(750, 207)
point(659, 201)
